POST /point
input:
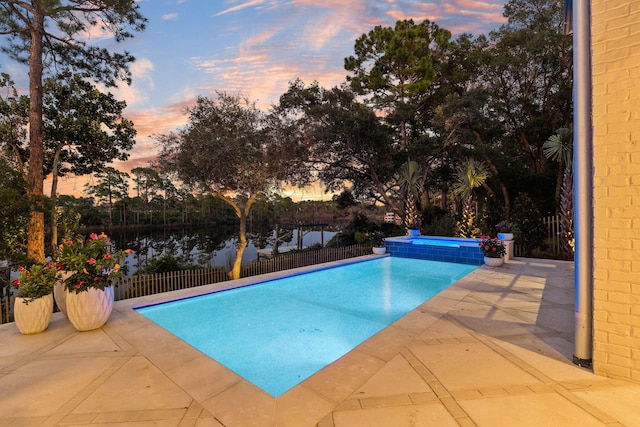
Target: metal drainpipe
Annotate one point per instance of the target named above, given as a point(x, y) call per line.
point(582, 183)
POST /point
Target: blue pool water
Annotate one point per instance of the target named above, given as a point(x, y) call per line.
point(278, 333)
point(435, 242)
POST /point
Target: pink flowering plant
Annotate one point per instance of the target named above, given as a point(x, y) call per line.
point(35, 282)
point(492, 247)
point(376, 238)
point(91, 263)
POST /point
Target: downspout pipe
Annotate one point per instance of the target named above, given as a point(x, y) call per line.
point(583, 183)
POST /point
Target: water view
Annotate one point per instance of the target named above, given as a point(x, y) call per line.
point(212, 246)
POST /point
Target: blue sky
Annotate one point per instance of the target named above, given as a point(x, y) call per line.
point(194, 47)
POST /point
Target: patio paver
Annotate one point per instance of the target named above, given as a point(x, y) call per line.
point(494, 349)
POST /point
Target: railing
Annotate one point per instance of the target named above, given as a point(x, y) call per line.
point(552, 223)
point(151, 284)
point(303, 259)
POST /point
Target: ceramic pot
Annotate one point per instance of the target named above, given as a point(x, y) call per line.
point(505, 236)
point(89, 309)
point(494, 262)
point(34, 317)
point(379, 251)
point(412, 232)
point(60, 293)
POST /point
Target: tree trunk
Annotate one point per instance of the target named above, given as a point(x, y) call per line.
point(35, 175)
point(496, 175)
point(385, 197)
point(243, 214)
point(54, 202)
point(559, 184)
point(110, 204)
point(567, 242)
point(236, 271)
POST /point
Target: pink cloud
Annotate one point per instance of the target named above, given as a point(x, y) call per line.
point(278, 42)
point(259, 39)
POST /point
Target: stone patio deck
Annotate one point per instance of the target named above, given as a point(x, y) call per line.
point(494, 349)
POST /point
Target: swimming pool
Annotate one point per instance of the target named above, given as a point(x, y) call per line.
point(276, 334)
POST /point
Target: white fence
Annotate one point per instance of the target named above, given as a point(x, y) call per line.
point(552, 240)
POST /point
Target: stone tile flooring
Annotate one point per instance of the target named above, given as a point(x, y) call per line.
point(494, 349)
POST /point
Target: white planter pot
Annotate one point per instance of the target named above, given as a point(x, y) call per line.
point(90, 309)
point(60, 295)
point(412, 232)
point(505, 236)
point(379, 251)
point(493, 262)
point(34, 317)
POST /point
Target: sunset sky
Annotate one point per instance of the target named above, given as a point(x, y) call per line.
point(193, 47)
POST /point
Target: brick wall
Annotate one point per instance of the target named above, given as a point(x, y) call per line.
point(616, 141)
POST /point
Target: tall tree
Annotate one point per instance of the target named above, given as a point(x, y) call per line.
point(345, 140)
point(528, 72)
point(13, 209)
point(14, 114)
point(169, 190)
point(83, 130)
point(146, 181)
point(230, 149)
point(110, 184)
point(51, 33)
point(471, 131)
point(394, 67)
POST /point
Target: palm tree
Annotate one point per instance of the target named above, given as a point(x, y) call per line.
point(468, 176)
point(559, 147)
point(411, 184)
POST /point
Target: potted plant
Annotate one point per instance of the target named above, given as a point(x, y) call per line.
point(413, 228)
point(91, 270)
point(34, 301)
point(412, 223)
point(377, 242)
point(493, 250)
point(504, 231)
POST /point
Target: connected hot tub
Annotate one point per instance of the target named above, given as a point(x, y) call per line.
point(436, 248)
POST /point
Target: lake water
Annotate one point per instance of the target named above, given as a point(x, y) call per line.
point(212, 246)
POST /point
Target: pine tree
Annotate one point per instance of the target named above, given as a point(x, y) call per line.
point(49, 35)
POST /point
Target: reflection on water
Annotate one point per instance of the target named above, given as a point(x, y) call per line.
point(212, 246)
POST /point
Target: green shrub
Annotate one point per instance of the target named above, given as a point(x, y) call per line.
point(165, 264)
point(528, 228)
